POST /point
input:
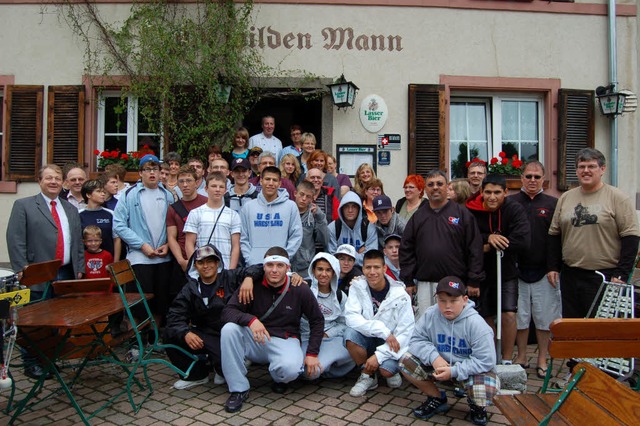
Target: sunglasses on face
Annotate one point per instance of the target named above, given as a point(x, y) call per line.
point(536, 177)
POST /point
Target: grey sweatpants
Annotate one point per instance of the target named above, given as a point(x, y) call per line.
point(284, 356)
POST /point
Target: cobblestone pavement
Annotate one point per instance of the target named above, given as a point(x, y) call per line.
point(324, 403)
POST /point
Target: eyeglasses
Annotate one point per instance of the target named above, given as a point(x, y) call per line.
point(151, 169)
point(536, 177)
point(438, 184)
point(588, 167)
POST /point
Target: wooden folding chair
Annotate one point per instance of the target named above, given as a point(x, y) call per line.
point(123, 275)
point(40, 273)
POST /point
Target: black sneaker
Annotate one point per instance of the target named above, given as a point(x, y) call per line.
point(235, 400)
point(279, 387)
point(478, 415)
point(431, 407)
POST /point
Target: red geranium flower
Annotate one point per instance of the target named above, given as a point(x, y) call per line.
point(104, 154)
point(515, 156)
point(502, 154)
point(517, 164)
point(505, 161)
point(96, 152)
point(468, 164)
point(494, 160)
point(124, 156)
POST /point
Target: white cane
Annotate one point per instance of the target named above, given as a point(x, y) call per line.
point(499, 254)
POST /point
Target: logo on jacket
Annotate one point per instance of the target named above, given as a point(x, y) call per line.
point(452, 344)
point(454, 220)
point(94, 264)
point(542, 212)
point(266, 219)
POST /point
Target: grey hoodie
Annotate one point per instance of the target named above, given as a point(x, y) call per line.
point(465, 342)
point(268, 224)
point(332, 307)
point(315, 236)
point(353, 235)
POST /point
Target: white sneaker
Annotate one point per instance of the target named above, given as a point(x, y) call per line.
point(218, 380)
point(132, 355)
point(365, 383)
point(394, 381)
point(186, 384)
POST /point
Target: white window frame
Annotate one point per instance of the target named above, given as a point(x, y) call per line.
point(494, 120)
point(132, 122)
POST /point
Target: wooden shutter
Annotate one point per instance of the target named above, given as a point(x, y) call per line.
point(65, 125)
point(426, 128)
point(575, 131)
point(24, 132)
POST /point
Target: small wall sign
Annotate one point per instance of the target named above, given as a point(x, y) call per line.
point(373, 113)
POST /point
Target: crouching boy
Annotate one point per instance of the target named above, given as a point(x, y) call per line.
point(451, 341)
point(380, 323)
point(333, 357)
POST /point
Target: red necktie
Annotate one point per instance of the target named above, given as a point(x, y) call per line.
point(60, 241)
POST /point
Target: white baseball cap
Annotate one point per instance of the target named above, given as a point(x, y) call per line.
point(347, 249)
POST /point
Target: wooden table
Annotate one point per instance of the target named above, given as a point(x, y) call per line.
point(62, 317)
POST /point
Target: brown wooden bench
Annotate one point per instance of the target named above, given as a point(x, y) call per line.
point(591, 397)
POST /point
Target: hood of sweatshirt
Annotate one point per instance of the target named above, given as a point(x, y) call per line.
point(475, 203)
point(335, 265)
point(351, 197)
point(250, 191)
point(191, 266)
point(280, 198)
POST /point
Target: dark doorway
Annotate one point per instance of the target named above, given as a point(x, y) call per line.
point(289, 111)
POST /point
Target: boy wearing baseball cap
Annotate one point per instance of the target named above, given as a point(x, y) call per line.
point(451, 341)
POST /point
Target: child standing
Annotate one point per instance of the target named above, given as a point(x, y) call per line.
point(96, 259)
point(451, 341)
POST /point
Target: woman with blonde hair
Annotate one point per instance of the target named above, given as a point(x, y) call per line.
point(308, 146)
point(459, 191)
point(290, 168)
point(364, 174)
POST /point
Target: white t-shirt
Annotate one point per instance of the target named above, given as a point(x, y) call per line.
point(201, 221)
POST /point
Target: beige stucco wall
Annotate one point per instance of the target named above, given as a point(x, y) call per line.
point(39, 48)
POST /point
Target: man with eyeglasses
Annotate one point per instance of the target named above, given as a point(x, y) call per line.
point(440, 238)
point(176, 218)
point(536, 296)
point(296, 143)
point(594, 228)
point(475, 175)
point(140, 221)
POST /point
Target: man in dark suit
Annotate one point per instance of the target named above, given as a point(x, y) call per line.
point(32, 231)
point(41, 228)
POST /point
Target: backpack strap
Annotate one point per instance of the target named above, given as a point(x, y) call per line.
point(181, 209)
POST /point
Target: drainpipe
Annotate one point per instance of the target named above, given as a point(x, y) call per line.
point(613, 80)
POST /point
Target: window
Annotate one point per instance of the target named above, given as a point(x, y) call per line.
point(482, 126)
point(121, 126)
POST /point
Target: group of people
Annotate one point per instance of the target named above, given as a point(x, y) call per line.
point(319, 275)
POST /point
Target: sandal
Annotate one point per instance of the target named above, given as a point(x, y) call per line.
point(541, 372)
